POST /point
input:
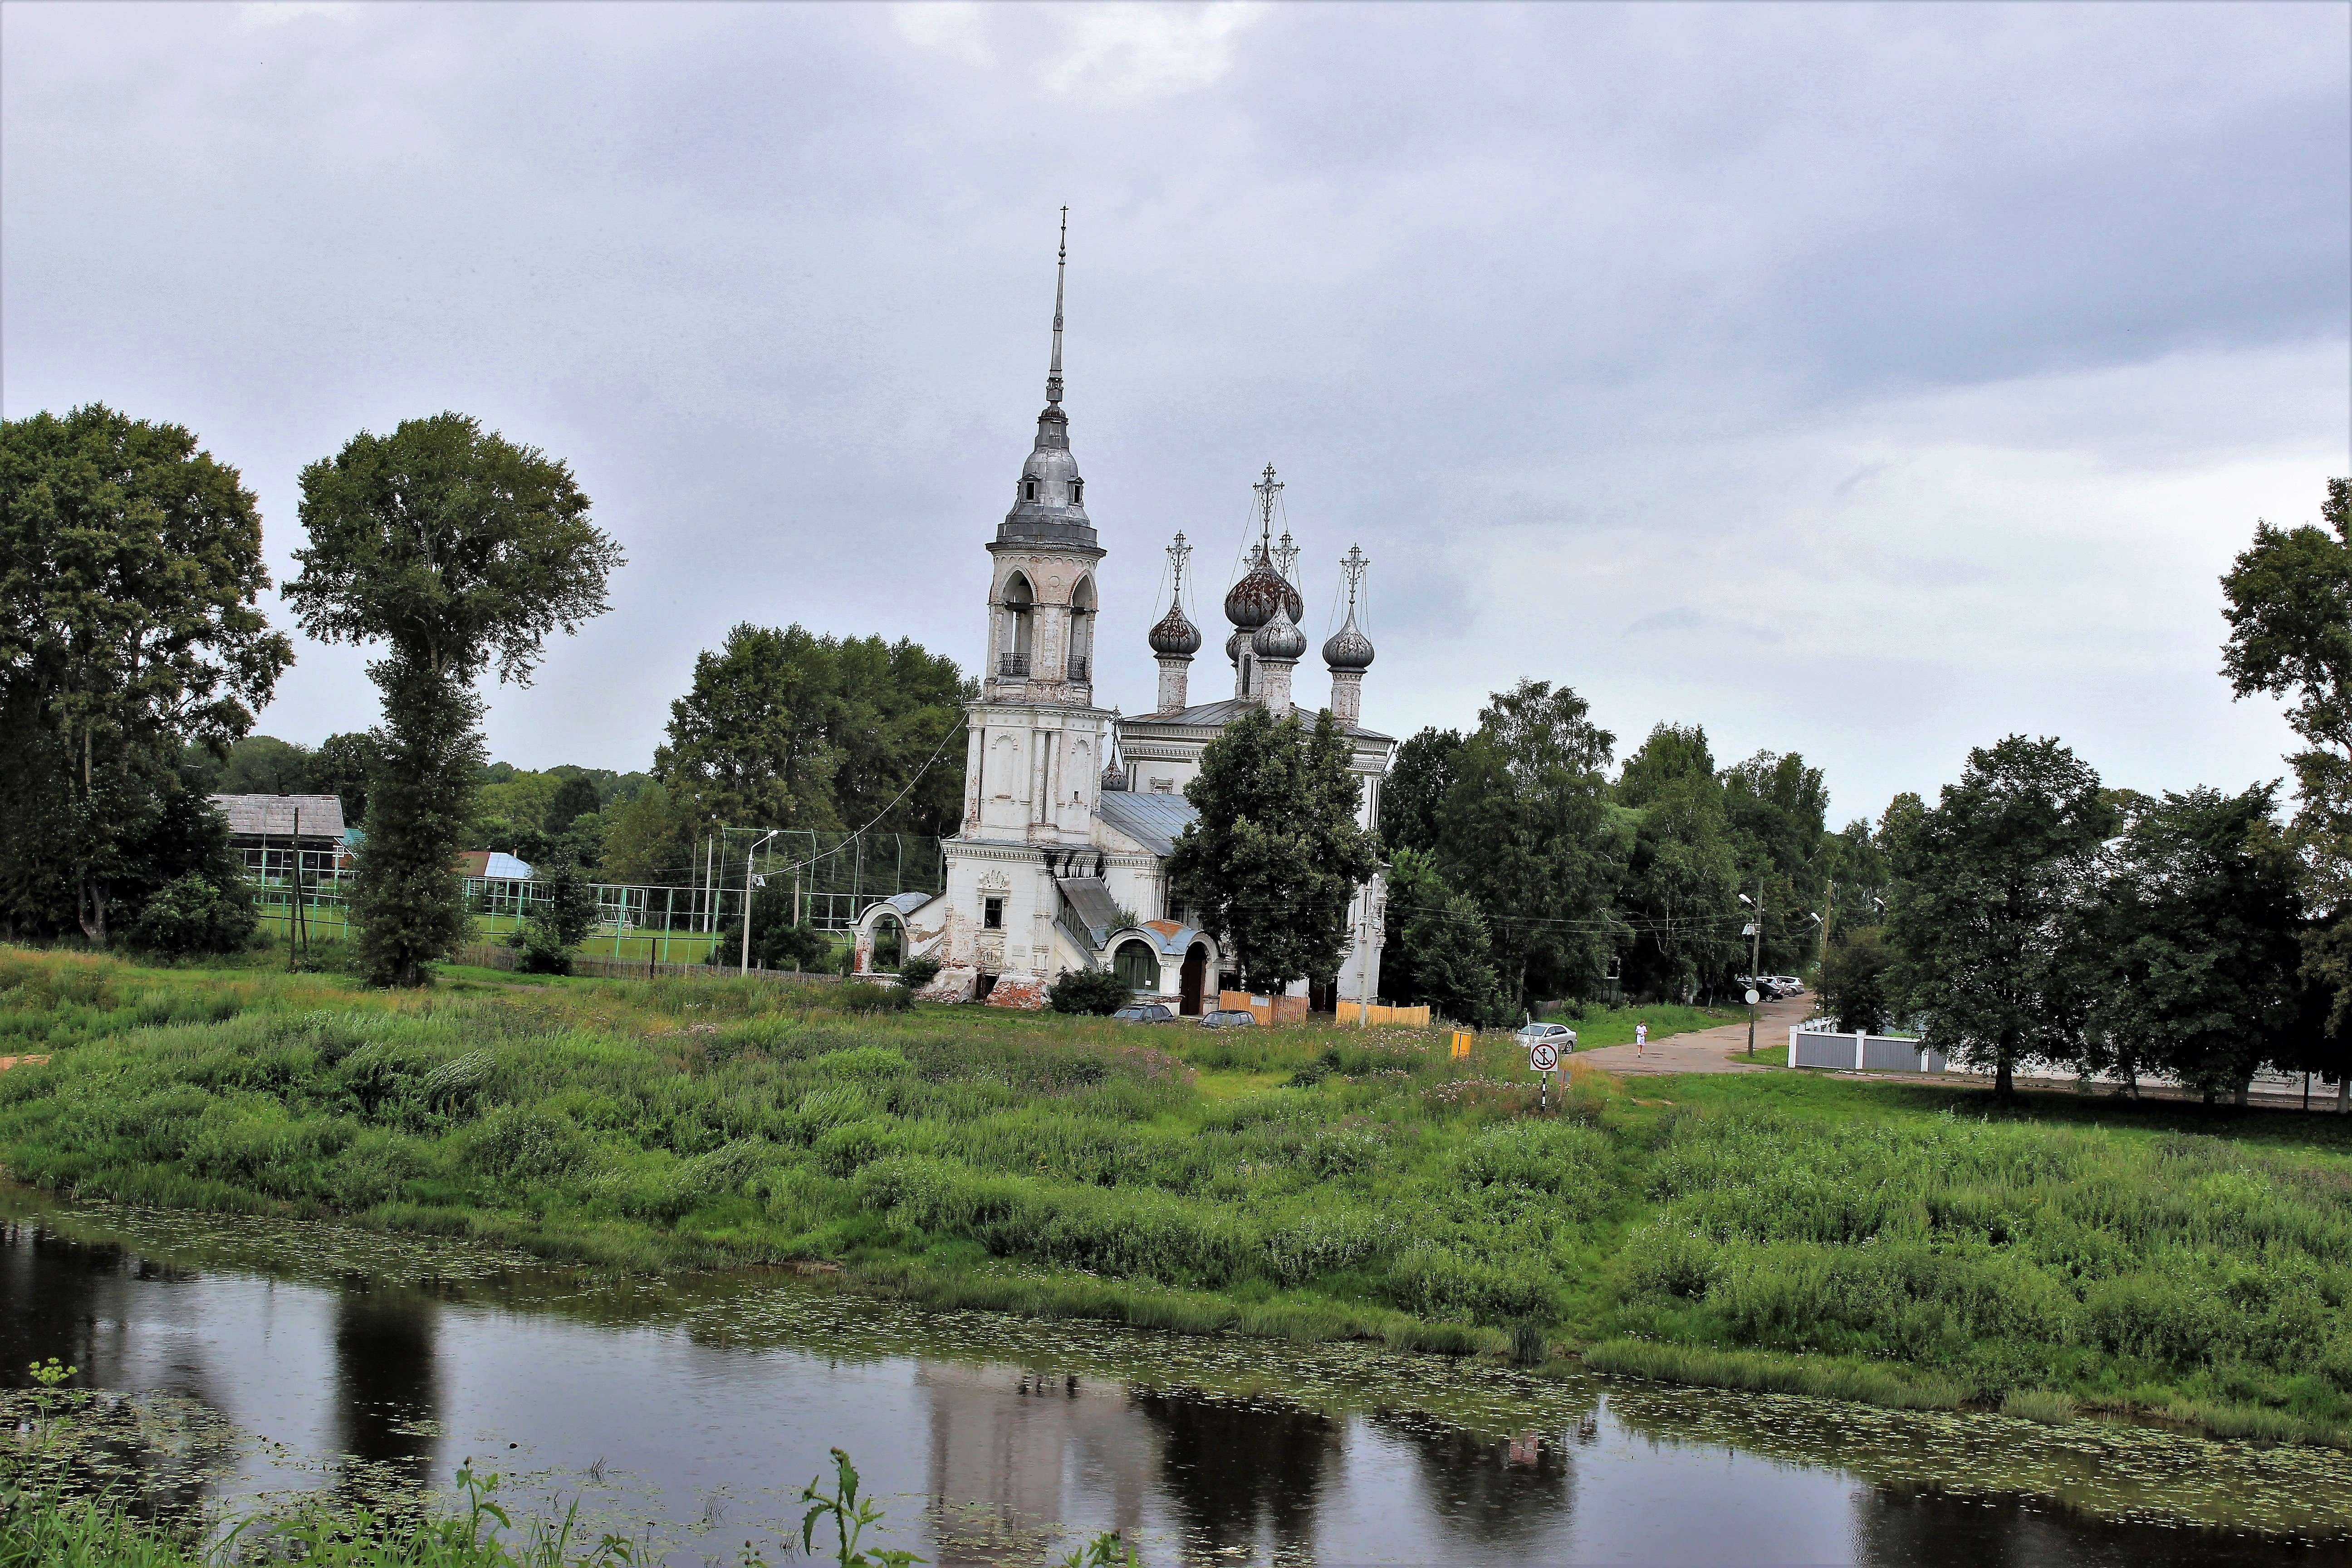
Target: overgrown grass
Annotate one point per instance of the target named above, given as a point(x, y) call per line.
point(1882, 1242)
point(1597, 1025)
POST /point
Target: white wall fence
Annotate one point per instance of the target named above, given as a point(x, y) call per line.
point(1859, 1052)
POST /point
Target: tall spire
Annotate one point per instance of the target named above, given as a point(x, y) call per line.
point(1061, 265)
point(1267, 488)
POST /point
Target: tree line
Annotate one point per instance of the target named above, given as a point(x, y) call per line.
point(1525, 865)
point(133, 657)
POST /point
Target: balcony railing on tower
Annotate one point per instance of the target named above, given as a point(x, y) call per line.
point(1076, 665)
point(1012, 663)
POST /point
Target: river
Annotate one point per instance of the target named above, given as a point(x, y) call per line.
point(240, 1359)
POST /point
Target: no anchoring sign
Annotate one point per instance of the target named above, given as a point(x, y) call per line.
point(1542, 1056)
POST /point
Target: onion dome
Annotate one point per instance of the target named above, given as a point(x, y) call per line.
point(1348, 648)
point(1251, 602)
point(1114, 778)
point(1175, 636)
point(1234, 647)
point(1279, 639)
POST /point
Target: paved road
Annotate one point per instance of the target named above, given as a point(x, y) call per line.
point(1707, 1050)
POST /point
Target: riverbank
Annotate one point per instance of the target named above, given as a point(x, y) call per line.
point(1892, 1242)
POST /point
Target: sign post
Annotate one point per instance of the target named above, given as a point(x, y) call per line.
point(1542, 1058)
point(1752, 999)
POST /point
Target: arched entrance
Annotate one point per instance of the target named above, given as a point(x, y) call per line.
point(889, 945)
point(1195, 974)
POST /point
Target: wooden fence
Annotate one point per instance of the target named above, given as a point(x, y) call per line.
point(1376, 1014)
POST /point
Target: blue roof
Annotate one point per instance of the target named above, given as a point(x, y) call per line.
point(503, 864)
point(1151, 820)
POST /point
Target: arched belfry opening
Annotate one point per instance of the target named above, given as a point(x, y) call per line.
point(1020, 631)
point(1082, 630)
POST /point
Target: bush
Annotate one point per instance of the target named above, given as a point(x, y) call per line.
point(192, 916)
point(1096, 991)
point(544, 951)
point(779, 945)
point(918, 972)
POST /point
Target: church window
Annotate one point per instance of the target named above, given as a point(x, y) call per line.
point(1077, 491)
point(991, 914)
point(1028, 489)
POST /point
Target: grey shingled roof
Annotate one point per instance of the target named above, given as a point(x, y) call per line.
point(1090, 897)
point(1151, 820)
point(1217, 715)
point(273, 815)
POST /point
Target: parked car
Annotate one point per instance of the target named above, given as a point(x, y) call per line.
point(1145, 1013)
point(1558, 1035)
point(1768, 986)
point(1788, 984)
point(1229, 1018)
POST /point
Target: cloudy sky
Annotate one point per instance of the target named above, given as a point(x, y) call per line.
point(1869, 382)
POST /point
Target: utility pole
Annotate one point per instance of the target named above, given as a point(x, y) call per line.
point(748, 858)
point(1755, 957)
point(294, 907)
point(1829, 905)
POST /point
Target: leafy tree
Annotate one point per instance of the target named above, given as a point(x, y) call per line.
point(1987, 918)
point(1415, 789)
point(1777, 807)
point(264, 764)
point(574, 798)
point(130, 566)
point(194, 915)
point(2290, 615)
point(1273, 861)
point(1680, 897)
point(649, 840)
point(339, 767)
point(560, 923)
point(1096, 991)
point(457, 552)
point(1453, 964)
point(787, 729)
point(1526, 833)
point(2197, 930)
point(1854, 981)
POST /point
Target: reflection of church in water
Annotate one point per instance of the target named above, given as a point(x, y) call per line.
point(1070, 811)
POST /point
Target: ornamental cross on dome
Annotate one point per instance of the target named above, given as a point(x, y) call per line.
point(1178, 553)
point(1286, 558)
point(1351, 566)
point(1267, 488)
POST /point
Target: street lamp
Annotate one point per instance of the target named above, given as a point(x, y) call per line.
point(748, 857)
point(1755, 933)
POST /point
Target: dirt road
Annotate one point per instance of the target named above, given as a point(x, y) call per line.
point(1706, 1050)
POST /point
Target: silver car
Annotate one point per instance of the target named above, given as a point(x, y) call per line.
point(1558, 1035)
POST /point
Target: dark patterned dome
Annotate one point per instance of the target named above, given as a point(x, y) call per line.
point(1279, 639)
point(1348, 648)
point(1251, 602)
point(1175, 636)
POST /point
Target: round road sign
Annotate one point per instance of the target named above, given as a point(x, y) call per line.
point(1752, 997)
point(1543, 1057)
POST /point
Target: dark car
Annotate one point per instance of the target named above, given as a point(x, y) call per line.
point(1144, 1013)
point(1229, 1018)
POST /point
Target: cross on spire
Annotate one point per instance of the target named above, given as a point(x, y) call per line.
point(1178, 553)
point(1351, 566)
point(1061, 265)
point(1267, 488)
point(1285, 556)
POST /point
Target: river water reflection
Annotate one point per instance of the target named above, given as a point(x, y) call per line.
point(270, 1357)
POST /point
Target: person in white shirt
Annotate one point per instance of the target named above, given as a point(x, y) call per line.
point(1640, 1039)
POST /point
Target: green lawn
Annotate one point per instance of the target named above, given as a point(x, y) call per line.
point(1597, 1027)
point(1909, 1244)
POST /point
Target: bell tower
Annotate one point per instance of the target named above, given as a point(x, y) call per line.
point(1037, 743)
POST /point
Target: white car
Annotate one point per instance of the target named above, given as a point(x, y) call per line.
point(1558, 1034)
point(1789, 985)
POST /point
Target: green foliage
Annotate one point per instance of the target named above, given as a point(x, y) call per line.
point(1777, 1231)
point(918, 972)
point(130, 567)
point(574, 798)
point(1414, 790)
point(195, 915)
point(850, 1516)
point(1274, 856)
point(1096, 991)
point(2195, 943)
point(1854, 981)
point(457, 551)
point(1526, 834)
point(776, 942)
point(787, 729)
point(1988, 920)
point(1682, 881)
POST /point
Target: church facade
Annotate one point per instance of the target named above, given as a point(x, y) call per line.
point(1070, 810)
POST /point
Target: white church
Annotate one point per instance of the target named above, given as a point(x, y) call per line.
point(1070, 810)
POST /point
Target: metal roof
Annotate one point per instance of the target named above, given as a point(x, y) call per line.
point(1217, 715)
point(273, 815)
point(1091, 898)
point(1151, 820)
